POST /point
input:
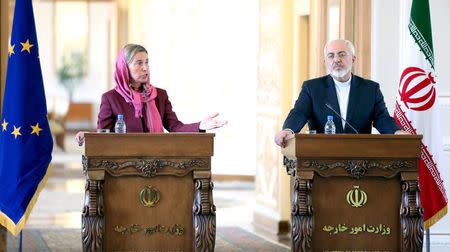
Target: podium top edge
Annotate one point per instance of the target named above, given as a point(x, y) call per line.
point(149, 144)
point(353, 146)
point(357, 136)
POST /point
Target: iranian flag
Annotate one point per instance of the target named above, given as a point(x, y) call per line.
point(416, 108)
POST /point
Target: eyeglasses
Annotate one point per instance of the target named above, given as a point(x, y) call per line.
point(340, 55)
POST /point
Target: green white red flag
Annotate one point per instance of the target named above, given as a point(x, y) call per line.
point(416, 108)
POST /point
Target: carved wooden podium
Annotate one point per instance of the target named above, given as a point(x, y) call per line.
point(148, 192)
point(355, 192)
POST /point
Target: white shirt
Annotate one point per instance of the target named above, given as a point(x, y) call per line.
point(342, 92)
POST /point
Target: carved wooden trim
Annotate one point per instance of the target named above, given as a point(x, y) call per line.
point(204, 215)
point(411, 217)
point(302, 215)
point(358, 168)
point(84, 162)
point(147, 167)
point(291, 165)
point(92, 216)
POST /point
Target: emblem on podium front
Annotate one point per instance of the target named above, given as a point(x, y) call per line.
point(356, 197)
point(149, 196)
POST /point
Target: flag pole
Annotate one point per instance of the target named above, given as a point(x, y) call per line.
point(20, 242)
point(427, 237)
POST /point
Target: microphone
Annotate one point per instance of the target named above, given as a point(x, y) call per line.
point(353, 128)
point(145, 92)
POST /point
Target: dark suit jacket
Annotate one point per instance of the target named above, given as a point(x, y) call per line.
point(365, 107)
point(113, 104)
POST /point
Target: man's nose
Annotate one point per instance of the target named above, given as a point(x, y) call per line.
point(336, 58)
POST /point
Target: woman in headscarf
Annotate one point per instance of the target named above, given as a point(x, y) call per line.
point(144, 107)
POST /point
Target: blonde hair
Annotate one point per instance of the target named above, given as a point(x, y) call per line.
point(131, 50)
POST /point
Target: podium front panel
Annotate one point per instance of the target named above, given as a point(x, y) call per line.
point(356, 214)
point(166, 226)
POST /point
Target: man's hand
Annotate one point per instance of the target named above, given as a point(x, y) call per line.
point(402, 132)
point(280, 137)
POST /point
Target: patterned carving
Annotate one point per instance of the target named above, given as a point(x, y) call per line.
point(148, 167)
point(91, 233)
point(358, 168)
point(411, 217)
point(92, 216)
point(204, 216)
point(302, 215)
point(84, 162)
point(291, 165)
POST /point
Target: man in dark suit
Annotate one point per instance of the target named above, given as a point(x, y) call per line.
point(358, 101)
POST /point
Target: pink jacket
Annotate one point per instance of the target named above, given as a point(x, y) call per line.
point(113, 104)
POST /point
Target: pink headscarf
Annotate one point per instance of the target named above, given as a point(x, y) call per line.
point(122, 78)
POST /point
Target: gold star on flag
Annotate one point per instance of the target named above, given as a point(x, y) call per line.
point(4, 124)
point(36, 129)
point(16, 132)
point(11, 49)
point(26, 46)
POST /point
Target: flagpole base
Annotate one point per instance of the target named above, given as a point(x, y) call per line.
point(2, 239)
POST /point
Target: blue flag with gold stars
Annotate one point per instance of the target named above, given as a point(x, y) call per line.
point(25, 140)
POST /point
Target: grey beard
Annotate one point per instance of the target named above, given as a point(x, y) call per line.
point(340, 73)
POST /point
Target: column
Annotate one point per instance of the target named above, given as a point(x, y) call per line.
point(274, 92)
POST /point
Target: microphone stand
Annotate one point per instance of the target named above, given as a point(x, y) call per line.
point(353, 128)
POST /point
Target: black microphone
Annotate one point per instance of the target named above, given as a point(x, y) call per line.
point(353, 128)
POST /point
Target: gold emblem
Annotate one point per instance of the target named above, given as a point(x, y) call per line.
point(149, 196)
point(356, 197)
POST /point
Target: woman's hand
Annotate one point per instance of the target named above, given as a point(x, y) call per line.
point(79, 137)
point(210, 123)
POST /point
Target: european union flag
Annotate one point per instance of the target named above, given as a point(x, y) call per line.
point(25, 140)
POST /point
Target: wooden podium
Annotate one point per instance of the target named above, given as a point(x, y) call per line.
point(354, 192)
point(148, 192)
